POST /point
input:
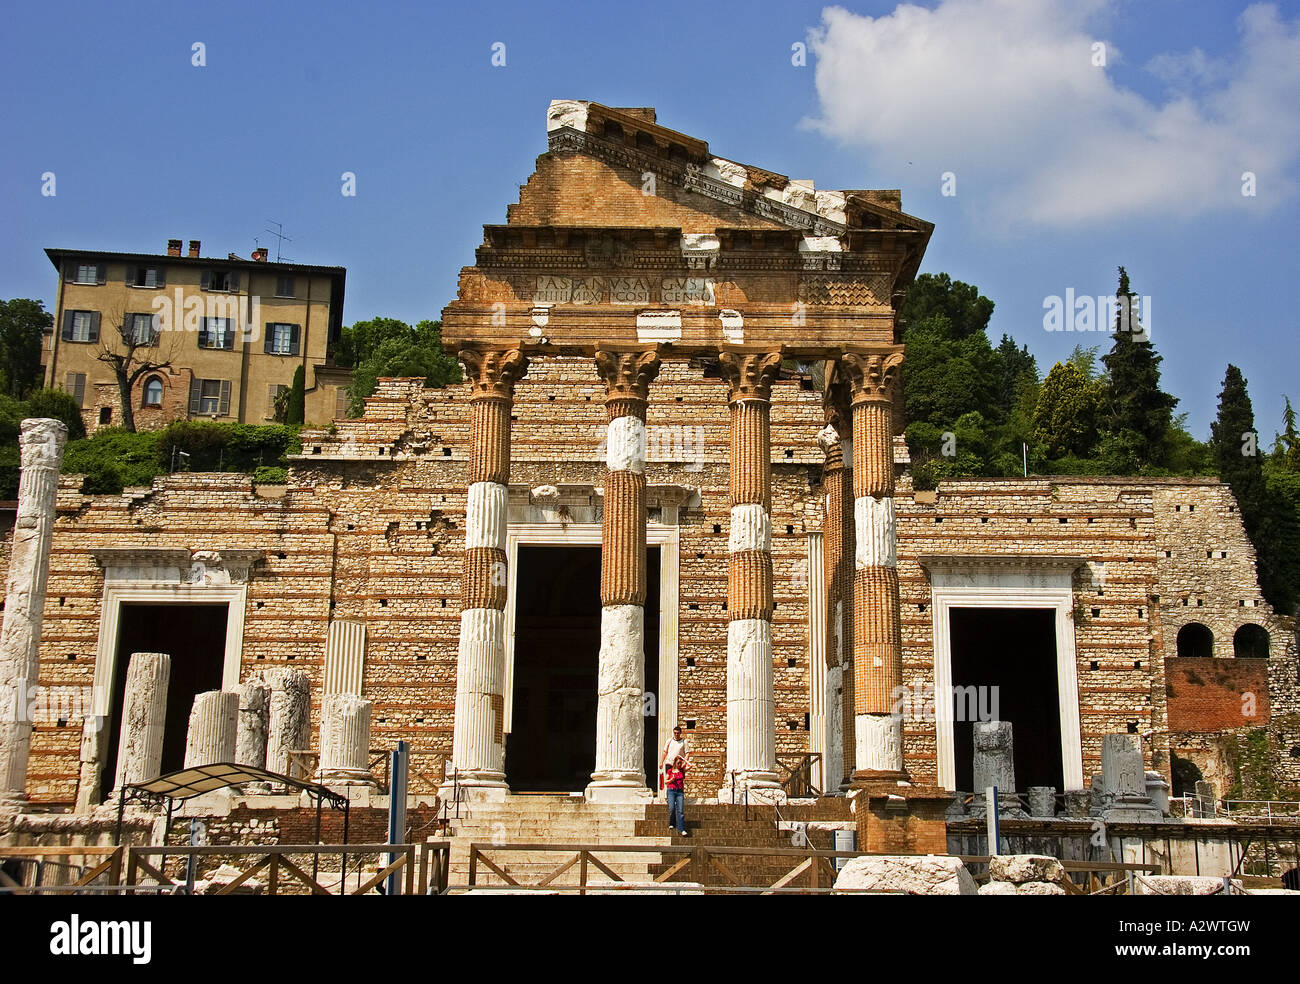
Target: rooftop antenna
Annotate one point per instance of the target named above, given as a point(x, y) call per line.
point(281, 238)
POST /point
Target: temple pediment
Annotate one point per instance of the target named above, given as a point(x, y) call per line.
point(630, 232)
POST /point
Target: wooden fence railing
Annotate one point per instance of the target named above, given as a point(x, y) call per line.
point(422, 868)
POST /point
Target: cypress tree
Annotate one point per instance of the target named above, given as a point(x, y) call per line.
point(1135, 402)
point(296, 408)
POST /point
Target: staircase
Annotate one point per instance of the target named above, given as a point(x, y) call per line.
point(572, 820)
point(549, 820)
point(725, 825)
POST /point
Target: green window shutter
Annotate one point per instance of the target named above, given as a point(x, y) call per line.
point(234, 281)
point(161, 280)
point(293, 339)
point(205, 280)
point(224, 408)
point(101, 273)
point(94, 326)
point(130, 276)
point(228, 336)
point(196, 394)
point(67, 325)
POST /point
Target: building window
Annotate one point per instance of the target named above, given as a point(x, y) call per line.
point(221, 280)
point(281, 339)
point(74, 384)
point(105, 416)
point(1194, 639)
point(284, 287)
point(217, 333)
point(145, 277)
point(141, 329)
point(210, 396)
point(1250, 642)
point(81, 326)
point(153, 392)
point(86, 273)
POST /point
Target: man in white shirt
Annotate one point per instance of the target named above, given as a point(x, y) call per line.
point(674, 746)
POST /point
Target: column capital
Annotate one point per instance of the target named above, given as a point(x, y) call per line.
point(832, 446)
point(871, 373)
point(749, 372)
point(492, 373)
point(627, 373)
point(41, 441)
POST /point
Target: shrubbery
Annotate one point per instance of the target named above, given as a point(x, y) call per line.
point(115, 458)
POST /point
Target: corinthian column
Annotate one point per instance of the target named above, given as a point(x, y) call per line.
point(40, 441)
point(838, 575)
point(478, 742)
point(620, 717)
point(877, 633)
point(751, 723)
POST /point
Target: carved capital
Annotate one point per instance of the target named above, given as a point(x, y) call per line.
point(492, 374)
point(41, 441)
point(832, 445)
point(627, 374)
point(749, 374)
point(871, 375)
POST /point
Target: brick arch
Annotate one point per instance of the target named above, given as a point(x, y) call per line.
point(1251, 641)
point(1195, 639)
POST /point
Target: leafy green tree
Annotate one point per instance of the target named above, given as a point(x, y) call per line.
point(1286, 449)
point(933, 295)
point(61, 406)
point(22, 326)
point(1015, 367)
point(295, 408)
point(360, 340)
point(417, 353)
point(1134, 401)
point(1065, 419)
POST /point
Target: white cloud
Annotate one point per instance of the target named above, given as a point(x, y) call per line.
point(1005, 94)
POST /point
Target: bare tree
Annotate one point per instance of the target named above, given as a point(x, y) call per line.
point(131, 354)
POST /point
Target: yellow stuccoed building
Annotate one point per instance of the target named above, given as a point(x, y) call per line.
point(225, 335)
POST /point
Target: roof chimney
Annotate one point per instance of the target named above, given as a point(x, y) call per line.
point(260, 254)
point(194, 247)
point(173, 247)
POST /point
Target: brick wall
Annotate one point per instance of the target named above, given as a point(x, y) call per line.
point(1216, 694)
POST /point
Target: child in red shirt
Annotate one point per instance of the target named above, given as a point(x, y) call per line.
point(675, 785)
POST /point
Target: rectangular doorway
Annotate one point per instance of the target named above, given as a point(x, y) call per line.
point(551, 746)
point(195, 638)
point(1004, 666)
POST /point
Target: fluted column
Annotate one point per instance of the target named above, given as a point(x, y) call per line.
point(40, 442)
point(877, 632)
point(838, 577)
point(288, 719)
point(478, 741)
point(751, 722)
point(620, 720)
point(213, 728)
point(344, 740)
point(144, 717)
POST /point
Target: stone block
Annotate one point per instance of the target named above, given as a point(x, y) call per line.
point(927, 874)
point(1022, 868)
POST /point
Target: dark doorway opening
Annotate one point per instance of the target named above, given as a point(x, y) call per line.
point(552, 742)
point(195, 638)
point(1013, 650)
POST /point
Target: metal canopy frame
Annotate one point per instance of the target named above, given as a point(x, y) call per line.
point(187, 783)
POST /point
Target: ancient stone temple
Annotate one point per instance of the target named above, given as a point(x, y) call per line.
point(672, 488)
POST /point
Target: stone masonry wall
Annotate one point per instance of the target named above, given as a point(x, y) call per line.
point(371, 527)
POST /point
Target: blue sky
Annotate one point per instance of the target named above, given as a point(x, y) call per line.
point(1063, 169)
